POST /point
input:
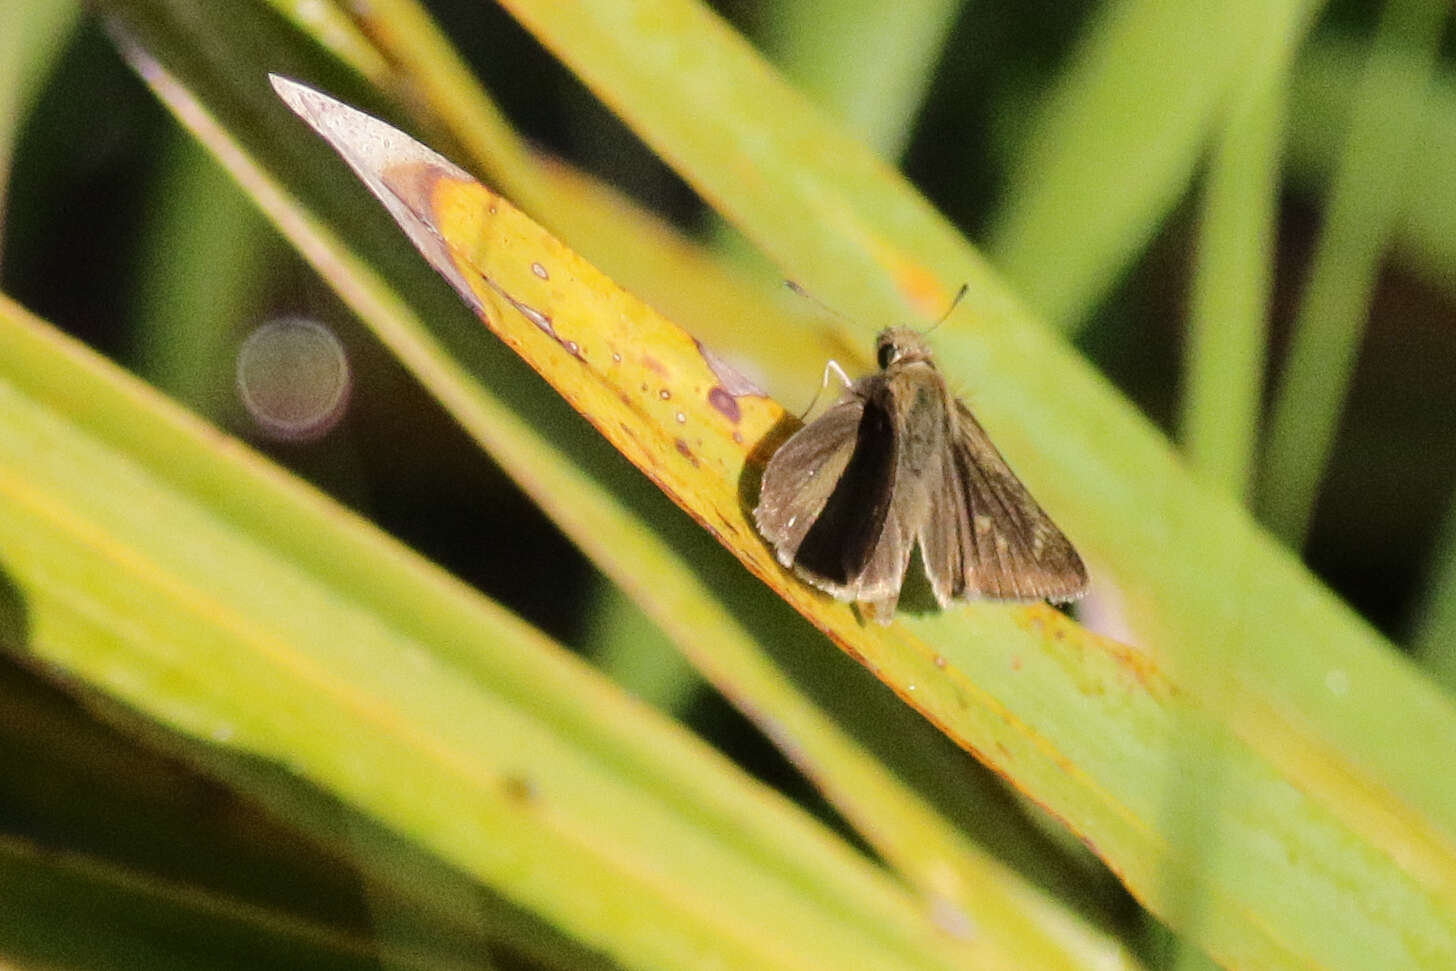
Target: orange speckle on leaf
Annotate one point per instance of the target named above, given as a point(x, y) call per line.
point(922, 289)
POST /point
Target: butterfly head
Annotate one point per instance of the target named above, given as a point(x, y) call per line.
point(901, 345)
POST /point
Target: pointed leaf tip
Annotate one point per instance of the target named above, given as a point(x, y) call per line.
point(366, 143)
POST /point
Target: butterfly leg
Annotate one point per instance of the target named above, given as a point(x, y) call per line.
point(832, 367)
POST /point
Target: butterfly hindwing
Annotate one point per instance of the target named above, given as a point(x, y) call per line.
point(844, 535)
point(802, 474)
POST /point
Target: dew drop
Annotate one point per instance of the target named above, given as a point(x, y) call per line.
point(536, 317)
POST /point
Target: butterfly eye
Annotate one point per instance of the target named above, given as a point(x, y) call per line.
point(887, 353)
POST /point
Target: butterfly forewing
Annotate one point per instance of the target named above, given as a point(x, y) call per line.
point(986, 536)
point(945, 536)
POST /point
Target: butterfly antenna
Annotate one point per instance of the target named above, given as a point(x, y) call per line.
point(956, 302)
point(798, 288)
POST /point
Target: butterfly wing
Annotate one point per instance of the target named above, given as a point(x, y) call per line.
point(802, 474)
point(914, 400)
point(826, 493)
point(878, 583)
point(985, 535)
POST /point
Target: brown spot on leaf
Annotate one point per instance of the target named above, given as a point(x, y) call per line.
point(724, 402)
point(519, 789)
point(687, 453)
point(628, 432)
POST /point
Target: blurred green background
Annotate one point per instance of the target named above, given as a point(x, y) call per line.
point(101, 237)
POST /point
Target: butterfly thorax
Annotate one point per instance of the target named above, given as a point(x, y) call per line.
point(922, 404)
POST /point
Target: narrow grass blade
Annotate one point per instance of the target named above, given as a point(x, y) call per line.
point(1433, 640)
point(1324, 85)
point(1223, 392)
point(32, 35)
point(333, 27)
point(1117, 141)
point(1364, 203)
point(1228, 321)
point(199, 293)
point(634, 652)
point(865, 62)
